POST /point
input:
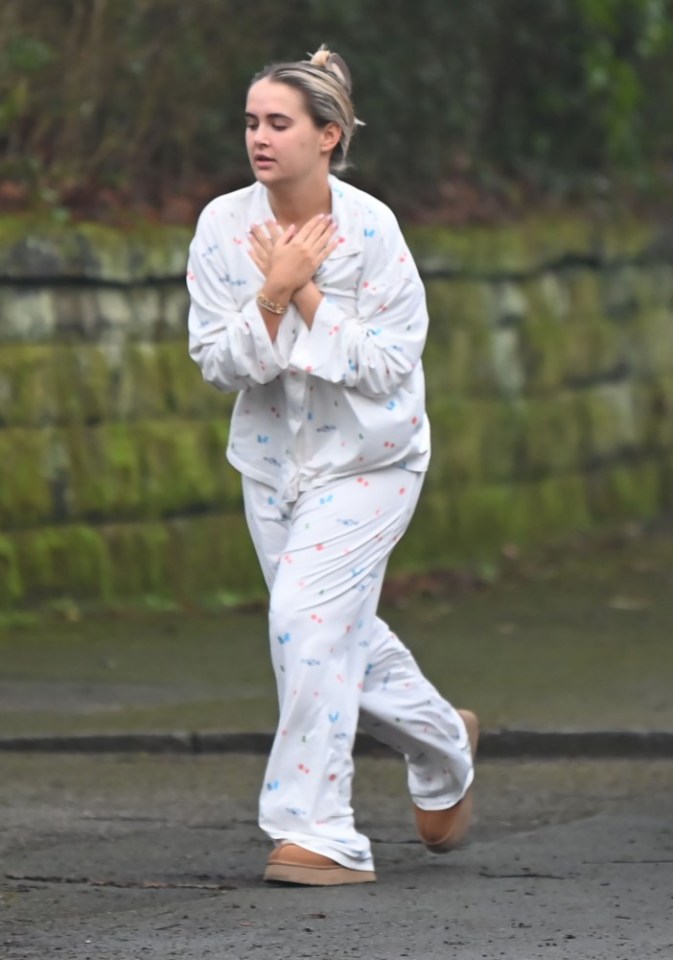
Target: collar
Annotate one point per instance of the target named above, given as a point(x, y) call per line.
point(346, 215)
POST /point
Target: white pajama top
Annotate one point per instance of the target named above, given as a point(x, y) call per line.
point(343, 397)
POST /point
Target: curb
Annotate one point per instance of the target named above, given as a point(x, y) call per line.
point(493, 744)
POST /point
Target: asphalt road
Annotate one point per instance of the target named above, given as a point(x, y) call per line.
point(156, 857)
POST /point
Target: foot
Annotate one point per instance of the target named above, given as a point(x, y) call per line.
point(443, 830)
point(289, 863)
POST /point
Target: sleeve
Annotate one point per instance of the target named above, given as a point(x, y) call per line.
point(375, 351)
point(231, 346)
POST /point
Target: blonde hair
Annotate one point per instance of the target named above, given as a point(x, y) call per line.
point(325, 84)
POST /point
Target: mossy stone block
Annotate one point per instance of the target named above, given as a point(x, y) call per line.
point(609, 413)
point(32, 247)
point(488, 517)
point(457, 432)
point(212, 554)
point(105, 472)
point(27, 385)
point(81, 384)
point(139, 559)
point(454, 303)
point(544, 344)
point(25, 493)
point(27, 314)
point(11, 584)
point(652, 342)
point(142, 388)
point(503, 438)
point(428, 541)
point(625, 237)
point(558, 506)
point(175, 464)
point(185, 392)
point(653, 406)
point(173, 311)
point(632, 491)
point(66, 561)
point(554, 439)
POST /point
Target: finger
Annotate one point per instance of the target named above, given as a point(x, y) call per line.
point(314, 227)
point(259, 233)
point(288, 234)
point(275, 230)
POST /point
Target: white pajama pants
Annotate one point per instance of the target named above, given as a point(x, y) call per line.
point(338, 665)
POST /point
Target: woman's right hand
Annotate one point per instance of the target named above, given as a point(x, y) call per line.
point(297, 254)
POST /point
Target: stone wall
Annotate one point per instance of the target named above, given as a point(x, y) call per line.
point(550, 391)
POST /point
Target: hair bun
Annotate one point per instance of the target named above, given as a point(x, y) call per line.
point(334, 64)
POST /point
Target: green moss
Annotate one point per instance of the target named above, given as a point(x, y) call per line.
point(503, 440)
point(82, 384)
point(35, 245)
point(457, 431)
point(609, 412)
point(509, 248)
point(653, 411)
point(143, 387)
point(210, 554)
point(139, 559)
point(67, 561)
point(544, 341)
point(554, 439)
point(11, 584)
point(185, 392)
point(628, 492)
point(27, 384)
point(25, 495)
point(558, 506)
point(455, 303)
point(653, 341)
point(176, 472)
point(625, 237)
point(105, 473)
point(486, 518)
point(427, 543)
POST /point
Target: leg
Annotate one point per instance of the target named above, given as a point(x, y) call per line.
point(401, 708)
point(323, 604)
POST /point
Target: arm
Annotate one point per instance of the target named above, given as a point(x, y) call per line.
point(375, 351)
point(234, 348)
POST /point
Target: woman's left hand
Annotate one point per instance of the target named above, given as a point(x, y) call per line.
point(262, 242)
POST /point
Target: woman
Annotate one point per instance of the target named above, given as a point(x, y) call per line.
point(305, 299)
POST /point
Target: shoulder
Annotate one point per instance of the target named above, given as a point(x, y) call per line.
point(372, 211)
point(226, 209)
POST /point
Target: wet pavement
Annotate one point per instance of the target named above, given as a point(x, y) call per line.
point(119, 857)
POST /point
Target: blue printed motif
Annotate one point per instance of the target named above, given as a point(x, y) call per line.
point(226, 278)
point(284, 639)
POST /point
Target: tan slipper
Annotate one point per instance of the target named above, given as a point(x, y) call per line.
point(289, 863)
point(443, 830)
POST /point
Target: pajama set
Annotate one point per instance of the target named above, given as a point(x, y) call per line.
point(330, 434)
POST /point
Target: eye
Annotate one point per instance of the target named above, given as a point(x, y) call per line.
point(280, 126)
point(250, 124)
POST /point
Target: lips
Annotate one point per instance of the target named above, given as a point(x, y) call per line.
point(262, 158)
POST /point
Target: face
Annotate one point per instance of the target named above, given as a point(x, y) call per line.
point(283, 143)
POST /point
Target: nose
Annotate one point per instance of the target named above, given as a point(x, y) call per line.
point(260, 137)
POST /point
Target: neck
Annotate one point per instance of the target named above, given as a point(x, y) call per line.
point(296, 206)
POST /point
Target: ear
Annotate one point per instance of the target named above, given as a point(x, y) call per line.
point(329, 137)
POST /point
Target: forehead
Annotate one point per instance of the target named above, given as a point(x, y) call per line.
point(268, 96)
